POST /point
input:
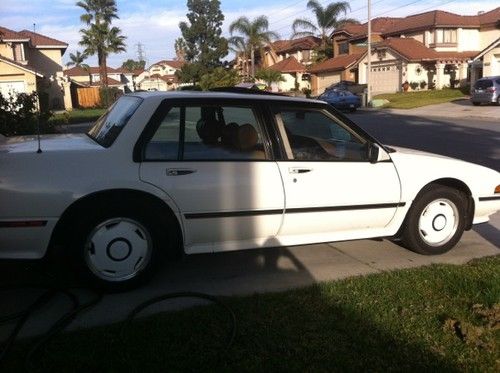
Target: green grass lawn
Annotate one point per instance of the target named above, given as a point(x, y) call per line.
point(437, 318)
point(410, 100)
point(77, 116)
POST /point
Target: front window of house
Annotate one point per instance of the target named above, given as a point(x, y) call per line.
point(446, 36)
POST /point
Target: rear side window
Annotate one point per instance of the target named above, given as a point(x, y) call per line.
point(207, 133)
point(107, 128)
point(483, 84)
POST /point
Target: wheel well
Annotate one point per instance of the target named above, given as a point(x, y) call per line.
point(108, 198)
point(461, 186)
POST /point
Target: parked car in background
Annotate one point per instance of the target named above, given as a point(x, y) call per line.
point(486, 91)
point(166, 173)
point(346, 85)
point(342, 100)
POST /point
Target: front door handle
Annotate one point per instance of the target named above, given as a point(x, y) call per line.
point(299, 170)
point(179, 171)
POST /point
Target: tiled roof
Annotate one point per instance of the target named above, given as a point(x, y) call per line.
point(111, 82)
point(9, 34)
point(379, 25)
point(413, 50)
point(173, 63)
point(42, 40)
point(80, 71)
point(304, 43)
point(337, 63)
point(439, 18)
point(22, 66)
point(165, 78)
point(288, 65)
point(127, 71)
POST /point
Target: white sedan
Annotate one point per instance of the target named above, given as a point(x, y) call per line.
point(167, 173)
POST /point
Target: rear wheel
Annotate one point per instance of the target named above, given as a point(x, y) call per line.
point(436, 221)
point(118, 248)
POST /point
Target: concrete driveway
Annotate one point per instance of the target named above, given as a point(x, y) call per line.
point(276, 269)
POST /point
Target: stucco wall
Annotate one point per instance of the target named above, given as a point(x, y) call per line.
point(488, 36)
point(11, 73)
point(491, 62)
point(6, 51)
point(468, 40)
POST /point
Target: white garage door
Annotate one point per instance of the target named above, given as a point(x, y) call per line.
point(326, 80)
point(385, 78)
point(7, 88)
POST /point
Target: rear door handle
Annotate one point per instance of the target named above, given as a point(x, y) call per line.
point(299, 170)
point(179, 171)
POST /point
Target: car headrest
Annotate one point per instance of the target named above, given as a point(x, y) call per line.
point(209, 130)
point(229, 133)
point(247, 137)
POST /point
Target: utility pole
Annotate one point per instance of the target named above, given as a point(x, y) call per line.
point(369, 55)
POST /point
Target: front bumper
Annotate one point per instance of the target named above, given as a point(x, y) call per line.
point(485, 206)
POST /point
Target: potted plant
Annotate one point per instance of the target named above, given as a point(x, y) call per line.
point(406, 86)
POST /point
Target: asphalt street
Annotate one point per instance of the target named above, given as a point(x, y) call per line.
point(265, 270)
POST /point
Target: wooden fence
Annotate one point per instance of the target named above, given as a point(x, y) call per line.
point(87, 97)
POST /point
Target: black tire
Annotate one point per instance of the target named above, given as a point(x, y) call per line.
point(476, 103)
point(413, 236)
point(158, 230)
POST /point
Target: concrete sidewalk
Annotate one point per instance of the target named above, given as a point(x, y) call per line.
point(455, 109)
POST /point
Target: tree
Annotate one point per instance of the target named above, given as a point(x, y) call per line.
point(77, 59)
point(180, 49)
point(202, 34)
point(131, 64)
point(269, 76)
point(327, 20)
point(219, 77)
point(100, 38)
point(237, 45)
point(256, 35)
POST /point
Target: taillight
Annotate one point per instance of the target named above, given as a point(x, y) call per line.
point(491, 89)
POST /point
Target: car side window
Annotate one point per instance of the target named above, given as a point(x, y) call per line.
point(207, 133)
point(315, 136)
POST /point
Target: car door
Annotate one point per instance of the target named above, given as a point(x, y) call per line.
point(332, 190)
point(213, 160)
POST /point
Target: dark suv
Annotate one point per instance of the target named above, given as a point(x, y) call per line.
point(486, 91)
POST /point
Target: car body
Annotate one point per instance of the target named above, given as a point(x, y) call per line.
point(347, 85)
point(486, 91)
point(200, 172)
point(342, 100)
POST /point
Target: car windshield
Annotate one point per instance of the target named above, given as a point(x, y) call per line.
point(107, 128)
point(483, 84)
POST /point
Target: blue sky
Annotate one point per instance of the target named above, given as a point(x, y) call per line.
point(154, 23)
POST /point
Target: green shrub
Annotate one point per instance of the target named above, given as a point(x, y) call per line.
point(109, 95)
point(414, 85)
point(19, 115)
point(423, 84)
point(307, 92)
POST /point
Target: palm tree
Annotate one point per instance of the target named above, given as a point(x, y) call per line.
point(76, 59)
point(100, 37)
point(255, 34)
point(270, 76)
point(237, 45)
point(327, 20)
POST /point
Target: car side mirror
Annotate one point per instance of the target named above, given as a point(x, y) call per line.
point(373, 152)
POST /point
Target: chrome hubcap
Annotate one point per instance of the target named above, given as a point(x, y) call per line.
point(118, 249)
point(438, 222)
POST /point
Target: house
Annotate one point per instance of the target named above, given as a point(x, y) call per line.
point(434, 49)
point(301, 49)
point(160, 76)
point(130, 78)
point(294, 74)
point(85, 77)
point(32, 62)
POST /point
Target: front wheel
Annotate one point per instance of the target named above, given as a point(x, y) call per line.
point(436, 221)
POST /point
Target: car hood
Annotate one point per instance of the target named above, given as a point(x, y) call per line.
point(417, 168)
point(48, 143)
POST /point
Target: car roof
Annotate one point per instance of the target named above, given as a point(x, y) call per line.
point(490, 77)
point(222, 95)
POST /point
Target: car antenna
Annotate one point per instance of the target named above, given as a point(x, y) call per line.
point(38, 119)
